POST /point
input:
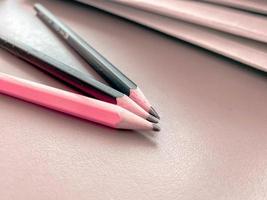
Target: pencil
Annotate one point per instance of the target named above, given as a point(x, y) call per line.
point(73, 104)
point(73, 77)
point(101, 65)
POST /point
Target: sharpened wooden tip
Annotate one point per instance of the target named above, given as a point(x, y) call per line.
point(156, 127)
point(153, 112)
point(153, 119)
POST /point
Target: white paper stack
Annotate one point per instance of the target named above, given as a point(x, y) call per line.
point(234, 33)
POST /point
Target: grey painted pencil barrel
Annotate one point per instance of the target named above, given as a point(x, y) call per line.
point(101, 65)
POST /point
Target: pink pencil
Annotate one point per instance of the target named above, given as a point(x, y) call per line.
point(73, 104)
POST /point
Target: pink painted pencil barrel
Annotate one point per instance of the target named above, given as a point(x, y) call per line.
point(74, 104)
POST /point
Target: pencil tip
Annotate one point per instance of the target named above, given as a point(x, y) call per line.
point(153, 119)
point(36, 5)
point(156, 127)
point(153, 112)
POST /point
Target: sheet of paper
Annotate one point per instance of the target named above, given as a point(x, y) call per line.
point(257, 6)
point(243, 50)
point(213, 16)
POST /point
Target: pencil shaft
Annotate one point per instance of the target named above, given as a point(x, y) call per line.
point(73, 77)
point(100, 64)
point(70, 103)
point(60, 70)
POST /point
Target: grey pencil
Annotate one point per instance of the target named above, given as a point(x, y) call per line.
point(101, 65)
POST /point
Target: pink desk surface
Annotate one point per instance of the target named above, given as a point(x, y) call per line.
point(213, 143)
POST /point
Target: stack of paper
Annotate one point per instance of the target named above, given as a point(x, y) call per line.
point(257, 6)
point(234, 33)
